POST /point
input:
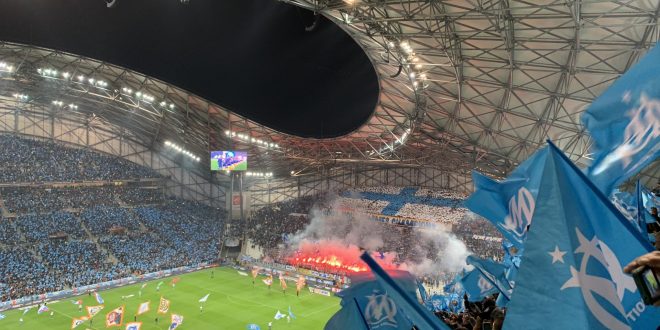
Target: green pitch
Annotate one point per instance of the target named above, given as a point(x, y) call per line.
point(233, 304)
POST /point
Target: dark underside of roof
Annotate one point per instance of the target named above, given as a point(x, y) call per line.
point(253, 57)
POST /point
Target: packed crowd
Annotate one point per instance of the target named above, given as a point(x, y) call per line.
point(284, 219)
point(268, 226)
point(61, 237)
point(22, 200)
point(40, 200)
point(8, 234)
point(22, 274)
point(193, 229)
point(25, 160)
point(76, 263)
point(482, 315)
point(37, 227)
point(102, 220)
point(55, 252)
point(480, 237)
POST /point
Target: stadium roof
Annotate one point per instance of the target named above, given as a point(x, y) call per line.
point(462, 85)
point(261, 64)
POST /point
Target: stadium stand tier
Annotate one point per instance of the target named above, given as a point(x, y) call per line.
point(53, 238)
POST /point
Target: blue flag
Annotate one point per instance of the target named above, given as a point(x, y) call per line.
point(404, 299)
point(627, 204)
point(367, 305)
point(492, 272)
point(572, 269)
point(42, 309)
point(436, 303)
point(455, 285)
point(291, 313)
point(98, 297)
point(509, 204)
point(422, 290)
point(646, 200)
point(624, 124)
point(351, 316)
point(477, 286)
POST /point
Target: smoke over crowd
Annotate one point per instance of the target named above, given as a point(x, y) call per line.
point(334, 240)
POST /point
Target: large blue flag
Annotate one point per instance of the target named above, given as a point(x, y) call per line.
point(455, 285)
point(404, 299)
point(367, 305)
point(572, 269)
point(509, 204)
point(492, 272)
point(351, 316)
point(624, 124)
point(436, 303)
point(451, 302)
point(477, 286)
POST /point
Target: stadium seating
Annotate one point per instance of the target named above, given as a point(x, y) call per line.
point(52, 238)
point(36, 227)
point(61, 237)
point(272, 225)
point(26, 160)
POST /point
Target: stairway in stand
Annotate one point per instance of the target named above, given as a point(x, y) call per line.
point(4, 211)
point(111, 258)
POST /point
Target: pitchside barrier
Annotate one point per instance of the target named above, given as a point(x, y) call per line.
point(318, 282)
point(38, 299)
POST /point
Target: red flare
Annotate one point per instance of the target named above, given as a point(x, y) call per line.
point(336, 257)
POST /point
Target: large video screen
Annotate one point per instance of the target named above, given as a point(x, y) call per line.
point(229, 160)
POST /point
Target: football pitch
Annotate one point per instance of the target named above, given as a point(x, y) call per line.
point(233, 304)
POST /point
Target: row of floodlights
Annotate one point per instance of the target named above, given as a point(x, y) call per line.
point(416, 75)
point(21, 97)
point(247, 138)
point(182, 150)
point(52, 73)
point(61, 104)
point(25, 97)
point(140, 95)
point(4, 66)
